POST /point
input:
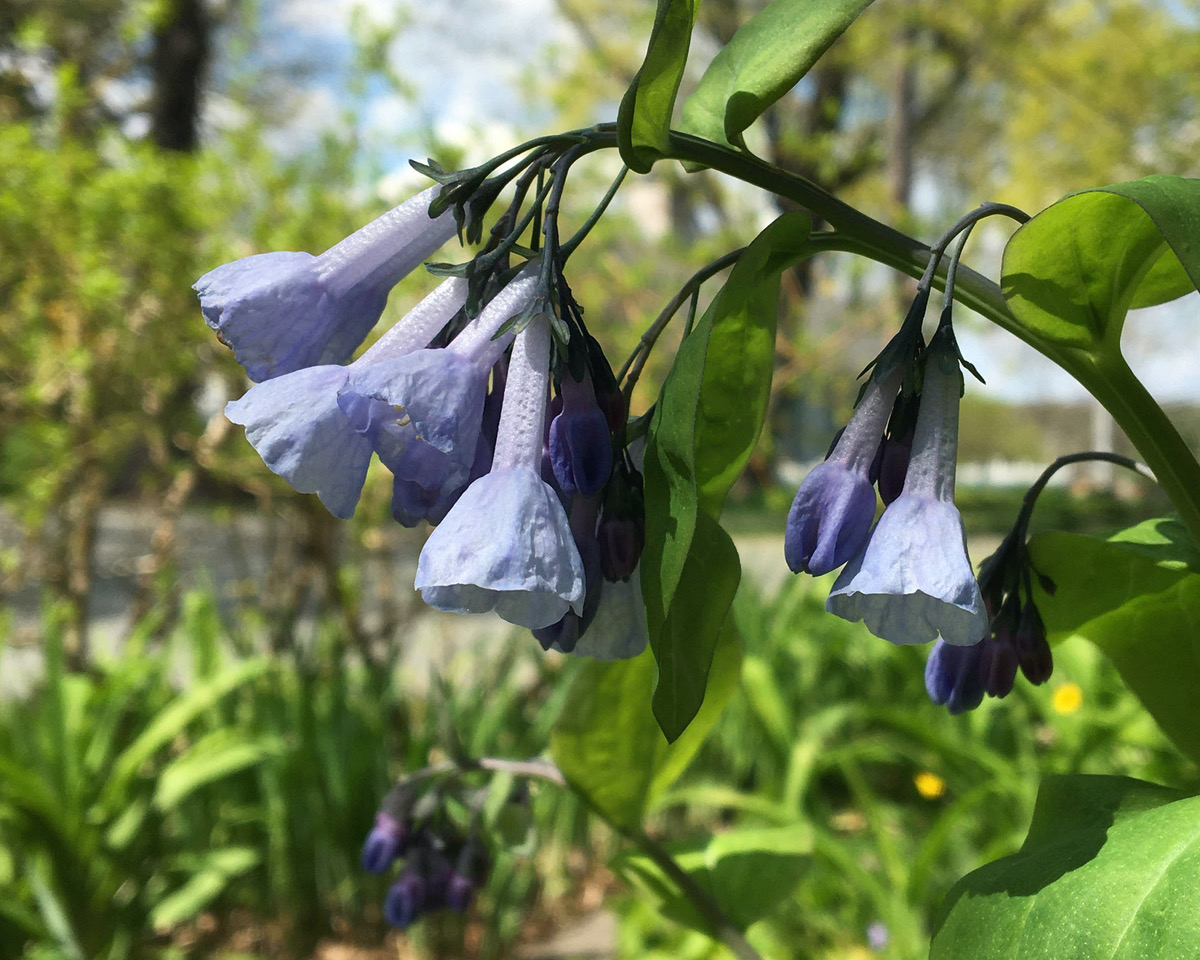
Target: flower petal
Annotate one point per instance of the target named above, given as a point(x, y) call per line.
point(913, 582)
point(294, 423)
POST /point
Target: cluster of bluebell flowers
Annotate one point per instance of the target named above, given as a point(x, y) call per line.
point(441, 868)
point(908, 576)
point(500, 422)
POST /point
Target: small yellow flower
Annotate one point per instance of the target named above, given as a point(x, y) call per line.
point(929, 785)
point(1067, 699)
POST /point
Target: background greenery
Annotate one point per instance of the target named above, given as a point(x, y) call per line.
point(203, 788)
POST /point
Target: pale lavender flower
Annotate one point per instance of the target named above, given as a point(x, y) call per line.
point(506, 545)
point(831, 516)
point(284, 311)
point(913, 581)
point(294, 421)
point(422, 413)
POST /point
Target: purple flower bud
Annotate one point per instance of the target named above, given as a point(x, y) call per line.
point(1037, 662)
point(893, 464)
point(385, 843)
point(998, 655)
point(459, 893)
point(580, 443)
point(406, 899)
point(952, 677)
point(830, 519)
point(621, 542)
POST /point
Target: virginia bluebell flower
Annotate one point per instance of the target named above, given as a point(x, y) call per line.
point(580, 443)
point(422, 413)
point(284, 311)
point(506, 544)
point(913, 581)
point(831, 516)
point(294, 421)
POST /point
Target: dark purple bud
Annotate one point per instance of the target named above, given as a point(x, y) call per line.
point(998, 661)
point(893, 465)
point(406, 899)
point(385, 842)
point(621, 542)
point(952, 677)
point(459, 893)
point(1037, 662)
point(612, 402)
point(830, 519)
point(580, 442)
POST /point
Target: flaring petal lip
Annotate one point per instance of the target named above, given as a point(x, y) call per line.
point(506, 545)
point(294, 423)
point(913, 582)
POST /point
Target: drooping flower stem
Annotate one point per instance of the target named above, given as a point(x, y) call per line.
point(631, 369)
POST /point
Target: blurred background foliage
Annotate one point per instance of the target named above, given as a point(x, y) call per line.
point(198, 783)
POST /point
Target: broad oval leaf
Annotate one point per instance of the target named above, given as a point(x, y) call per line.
point(644, 118)
point(1072, 272)
point(748, 872)
point(1136, 596)
point(706, 423)
point(1110, 870)
point(767, 56)
point(608, 744)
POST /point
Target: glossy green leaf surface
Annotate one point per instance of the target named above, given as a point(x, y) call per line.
point(1110, 870)
point(1072, 272)
point(767, 56)
point(644, 118)
point(1137, 597)
point(706, 423)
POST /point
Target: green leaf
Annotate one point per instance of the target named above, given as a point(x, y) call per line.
point(608, 744)
point(173, 720)
point(706, 423)
point(1110, 871)
point(213, 757)
point(766, 58)
point(206, 883)
point(644, 118)
point(1072, 272)
point(749, 873)
point(1137, 597)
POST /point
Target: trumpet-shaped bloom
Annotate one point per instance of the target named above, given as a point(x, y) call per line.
point(297, 427)
point(283, 311)
point(618, 631)
point(506, 545)
point(913, 581)
point(831, 516)
point(423, 412)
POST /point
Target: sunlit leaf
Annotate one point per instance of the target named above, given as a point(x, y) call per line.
point(1137, 597)
point(1110, 871)
point(765, 59)
point(644, 119)
point(1071, 273)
